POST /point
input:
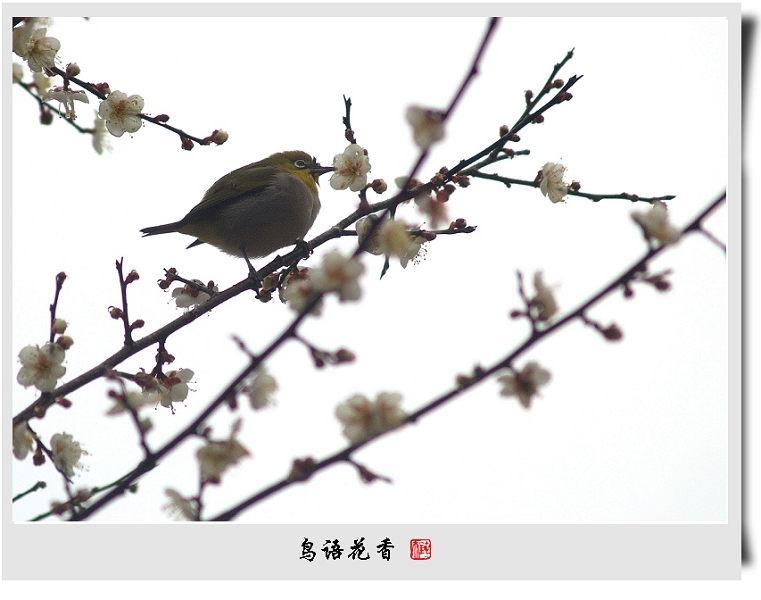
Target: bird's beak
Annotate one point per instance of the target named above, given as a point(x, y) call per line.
point(318, 170)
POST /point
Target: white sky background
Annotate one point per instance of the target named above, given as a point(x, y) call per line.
point(627, 432)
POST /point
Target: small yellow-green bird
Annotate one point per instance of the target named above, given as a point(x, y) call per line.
point(257, 209)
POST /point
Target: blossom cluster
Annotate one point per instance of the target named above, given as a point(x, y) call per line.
point(337, 273)
point(363, 418)
point(525, 383)
point(655, 224)
point(391, 238)
point(215, 457)
point(260, 389)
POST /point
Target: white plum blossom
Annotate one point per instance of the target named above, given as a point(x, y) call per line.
point(42, 82)
point(363, 419)
point(41, 367)
point(216, 457)
point(31, 44)
point(525, 383)
point(393, 238)
point(351, 169)
point(66, 453)
point(544, 300)
point(655, 224)
point(174, 388)
point(121, 113)
point(552, 184)
point(187, 296)
point(414, 252)
point(427, 125)
point(23, 440)
point(66, 97)
point(338, 273)
point(363, 228)
point(260, 389)
point(180, 508)
point(18, 73)
point(134, 400)
point(297, 290)
point(100, 140)
point(390, 238)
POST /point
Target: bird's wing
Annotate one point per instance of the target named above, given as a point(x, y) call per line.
point(230, 188)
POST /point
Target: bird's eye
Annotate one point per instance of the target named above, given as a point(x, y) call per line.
point(300, 164)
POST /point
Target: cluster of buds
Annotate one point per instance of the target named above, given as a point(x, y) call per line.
point(118, 314)
point(325, 357)
point(59, 328)
point(659, 281)
point(504, 130)
point(170, 277)
point(461, 225)
point(612, 332)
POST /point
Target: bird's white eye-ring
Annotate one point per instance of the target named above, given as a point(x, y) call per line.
point(300, 164)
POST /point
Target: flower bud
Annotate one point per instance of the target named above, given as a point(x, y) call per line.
point(270, 282)
point(46, 117)
point(219, 137)
point(344, 355)
point(145, 425)
point(72, 70)
point(83, 495)
point(59, 326)
point(65, 341)
point(38, 458)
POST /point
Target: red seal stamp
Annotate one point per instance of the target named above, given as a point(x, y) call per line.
point(420, 549)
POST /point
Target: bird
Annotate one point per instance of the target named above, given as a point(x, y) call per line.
point(255, 210)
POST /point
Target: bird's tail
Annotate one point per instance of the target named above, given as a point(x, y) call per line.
point(156, 230)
